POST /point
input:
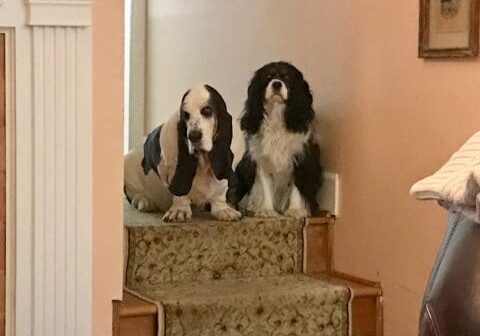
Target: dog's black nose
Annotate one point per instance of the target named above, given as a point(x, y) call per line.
point(195, 136)
point(277, 85)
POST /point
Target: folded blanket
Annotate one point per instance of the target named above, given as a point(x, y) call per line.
point(456, 185)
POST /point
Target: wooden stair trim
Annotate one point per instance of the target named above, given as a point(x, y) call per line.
point(117, 306)
point(324, 219)
point(360, 289)
point(364, 291)
point(380, 326)
point(357, 280)
point(133, 306)
point(317, 240)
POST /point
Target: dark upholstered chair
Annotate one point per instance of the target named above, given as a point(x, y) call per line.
point(451, 305)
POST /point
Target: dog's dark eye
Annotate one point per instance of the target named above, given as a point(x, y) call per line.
point(185, 115)
point(206, 111)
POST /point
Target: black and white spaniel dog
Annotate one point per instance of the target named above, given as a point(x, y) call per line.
point(188, 160)
point(280, 172)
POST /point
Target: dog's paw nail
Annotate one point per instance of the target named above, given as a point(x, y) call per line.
point(142, 204)
point(177, 215)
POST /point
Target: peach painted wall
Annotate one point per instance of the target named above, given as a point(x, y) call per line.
point(107, 160)
point(388, 119)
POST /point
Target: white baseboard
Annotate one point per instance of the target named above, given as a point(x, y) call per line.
point(329, 195)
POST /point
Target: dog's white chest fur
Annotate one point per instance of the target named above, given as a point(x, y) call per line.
point(274, 147)
point(205, 186)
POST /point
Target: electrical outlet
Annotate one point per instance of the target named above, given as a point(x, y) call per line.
point(328, 196)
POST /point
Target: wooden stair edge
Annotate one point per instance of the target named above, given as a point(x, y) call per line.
point(324, 218)
point(363, 293)
point(133, 306)
point(360, 287)
point(363, 281)
point(134, 316)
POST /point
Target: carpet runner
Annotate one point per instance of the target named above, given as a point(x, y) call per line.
point(242, 278)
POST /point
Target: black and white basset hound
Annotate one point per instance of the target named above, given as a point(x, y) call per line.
point(188, 160)
point(281, 172)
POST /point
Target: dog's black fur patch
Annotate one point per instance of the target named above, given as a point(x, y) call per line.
point(242, 181)
point(309, 174)
point(126, 196)
point(152, 151)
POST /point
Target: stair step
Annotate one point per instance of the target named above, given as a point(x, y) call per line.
point(205, 249)
point(134, 306)
point(287, 304)
point(364, 316)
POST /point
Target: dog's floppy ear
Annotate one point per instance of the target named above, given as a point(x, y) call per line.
point(221, 156)
point(253, 114)
point(299, 112)
point(186, 163)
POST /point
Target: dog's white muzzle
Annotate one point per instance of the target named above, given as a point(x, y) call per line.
point(276, 90)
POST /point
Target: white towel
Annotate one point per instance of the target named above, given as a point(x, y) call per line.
point(456, 186)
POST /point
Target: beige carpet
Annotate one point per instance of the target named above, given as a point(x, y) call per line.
point(243, 278)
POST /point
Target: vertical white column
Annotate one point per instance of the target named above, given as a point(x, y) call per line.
point(62, 147)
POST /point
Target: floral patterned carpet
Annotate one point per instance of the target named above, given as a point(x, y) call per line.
point(243, 278)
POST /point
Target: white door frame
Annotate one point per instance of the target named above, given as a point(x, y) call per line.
point(135, 71)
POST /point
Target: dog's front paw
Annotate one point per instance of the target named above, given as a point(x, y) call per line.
point(265, 213)
point(178, 215)
point(296, 213)
point(227, 214)
point(143, 204)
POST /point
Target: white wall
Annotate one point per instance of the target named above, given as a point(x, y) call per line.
point(221, 43)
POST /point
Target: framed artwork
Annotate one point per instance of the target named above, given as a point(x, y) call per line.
point(448, 28)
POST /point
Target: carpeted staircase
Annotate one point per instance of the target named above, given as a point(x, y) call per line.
point(242, 278)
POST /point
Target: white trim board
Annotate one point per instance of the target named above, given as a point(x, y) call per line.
point(67, 13)
point(329, 195)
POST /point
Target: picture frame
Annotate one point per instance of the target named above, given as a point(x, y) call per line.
point(449, 28)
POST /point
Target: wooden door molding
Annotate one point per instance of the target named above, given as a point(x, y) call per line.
point(3, 189)
point(8, 180)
